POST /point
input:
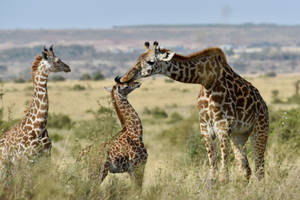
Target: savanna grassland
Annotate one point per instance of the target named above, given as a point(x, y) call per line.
point(81, 114)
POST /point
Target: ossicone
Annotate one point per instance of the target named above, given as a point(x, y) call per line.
point(45, 53)
point(147, 45)
point(117, 79)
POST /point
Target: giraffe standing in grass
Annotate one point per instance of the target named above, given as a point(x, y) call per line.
point(29, 139)
point(230, 108)
point(127, 152)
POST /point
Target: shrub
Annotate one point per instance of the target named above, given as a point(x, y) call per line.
point(98, 76)
point(285, 127)
point(294, 99)
point(56, 137)
point(103, 125)
point(175, 117)
point(57, 78)
point(156, 112)
point(19, 80)
point(179, 133)
point(275, 98)
point(78, 87)
point(59, 121)
point(85, 77)
point(270, 74)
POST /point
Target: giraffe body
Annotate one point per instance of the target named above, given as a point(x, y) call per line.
point(29, 139)
point(127, 152)
point(230, 108)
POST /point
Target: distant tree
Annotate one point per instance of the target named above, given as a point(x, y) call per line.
point(78, 87)
point(56, 78)
point(85, 77)
point(270, 74)
point(19, 80)
point(98, 76)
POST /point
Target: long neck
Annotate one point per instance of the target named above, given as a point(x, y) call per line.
point(37, 114)
point(204, 70)
point(126, 113)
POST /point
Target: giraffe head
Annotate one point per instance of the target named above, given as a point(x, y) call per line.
point(148, 63)
point(123, 89)
point(53, 63)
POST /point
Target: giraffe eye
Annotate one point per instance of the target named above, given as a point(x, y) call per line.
point(150, 62)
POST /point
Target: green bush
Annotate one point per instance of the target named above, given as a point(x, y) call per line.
point(98, 76)
point(78, 87)
point(175, 117)
point(56, 137)
point(294, 99)
point(156, 112)
point(270, 74)
point(19, 80)
point(181, 131)
point(275, 98)
point(85, 77)
point(285, 127)
point(57, 78)
point(103, 125)
point(6, 125)
point(59, 121)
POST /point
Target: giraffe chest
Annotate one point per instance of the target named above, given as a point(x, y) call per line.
point(125, 153)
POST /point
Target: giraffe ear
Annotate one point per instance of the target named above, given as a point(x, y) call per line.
point(108, 89)
point(165, 56)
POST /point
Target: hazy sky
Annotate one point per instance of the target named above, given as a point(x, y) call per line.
point(56, 14)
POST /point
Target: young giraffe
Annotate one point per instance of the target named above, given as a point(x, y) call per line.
point(127, 152)
point(230, 107)
point(29, 138)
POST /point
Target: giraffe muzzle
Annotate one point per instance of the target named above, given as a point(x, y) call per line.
point(67, 69)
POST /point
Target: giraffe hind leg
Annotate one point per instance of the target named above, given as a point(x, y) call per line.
point(259, 142)
point(224, 146)
point(238, 145)
point(137, 174)
point(212, 159)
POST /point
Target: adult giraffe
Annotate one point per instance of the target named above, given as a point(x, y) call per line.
point(230, 107)
point(29, 139)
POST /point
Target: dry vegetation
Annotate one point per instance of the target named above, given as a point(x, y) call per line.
point(177, 163)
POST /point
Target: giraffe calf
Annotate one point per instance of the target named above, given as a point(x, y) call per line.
point(127, 152)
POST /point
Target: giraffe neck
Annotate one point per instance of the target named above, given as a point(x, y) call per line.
point(126, 113)
point(204, 70)
point(37, 114)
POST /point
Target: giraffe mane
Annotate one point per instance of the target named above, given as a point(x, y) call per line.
point(205, 52)
point(34, 67)
point(36, 62)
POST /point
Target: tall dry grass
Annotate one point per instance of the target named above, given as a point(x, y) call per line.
point(177, 164)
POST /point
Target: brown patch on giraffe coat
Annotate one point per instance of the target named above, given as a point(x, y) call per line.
point(203, 103)
point(216, 98)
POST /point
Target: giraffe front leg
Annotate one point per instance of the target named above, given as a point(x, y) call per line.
point(212, 158)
